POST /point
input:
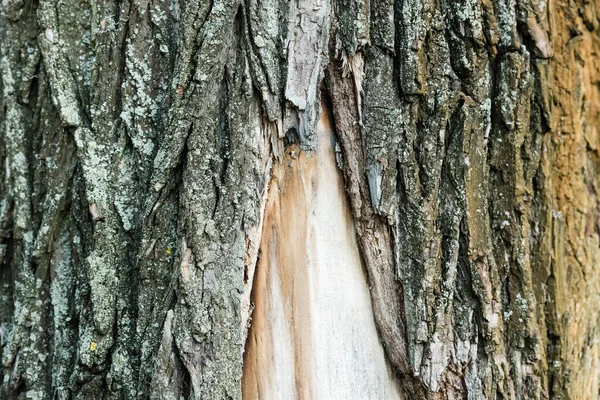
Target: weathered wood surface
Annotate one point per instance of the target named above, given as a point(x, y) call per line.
point(138, 140)
point(313, 335)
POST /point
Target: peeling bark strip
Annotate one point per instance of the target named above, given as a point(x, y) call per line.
point(137, 143)
point(313, 335)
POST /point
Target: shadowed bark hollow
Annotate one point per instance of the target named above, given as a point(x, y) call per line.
point(318, 199)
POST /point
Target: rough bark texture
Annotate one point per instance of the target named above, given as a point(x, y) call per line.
point(138, 140)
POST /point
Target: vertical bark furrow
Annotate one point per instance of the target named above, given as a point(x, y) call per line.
point(479, 109)
point(137, 140)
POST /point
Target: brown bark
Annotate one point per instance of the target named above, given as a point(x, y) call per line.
point(164, 162)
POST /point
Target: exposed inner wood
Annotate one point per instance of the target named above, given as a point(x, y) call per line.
point(313, 335)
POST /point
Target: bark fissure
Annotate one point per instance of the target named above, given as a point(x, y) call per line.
point(138, 140)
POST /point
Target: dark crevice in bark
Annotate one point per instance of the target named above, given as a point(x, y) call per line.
point(517, 176)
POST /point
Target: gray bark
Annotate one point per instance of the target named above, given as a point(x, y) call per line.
point(138, 140)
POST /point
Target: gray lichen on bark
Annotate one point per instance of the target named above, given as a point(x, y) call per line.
point(136, 140)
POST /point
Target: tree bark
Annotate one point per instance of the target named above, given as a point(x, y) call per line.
point(298, 199)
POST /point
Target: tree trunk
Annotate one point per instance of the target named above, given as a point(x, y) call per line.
point(300, 199)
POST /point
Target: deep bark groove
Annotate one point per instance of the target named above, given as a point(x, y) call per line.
point(138, 140)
